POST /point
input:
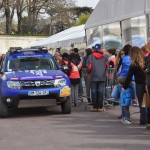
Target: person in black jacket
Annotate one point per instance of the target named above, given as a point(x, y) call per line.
point(85, 74)
point(137, 69)
point(78, 60)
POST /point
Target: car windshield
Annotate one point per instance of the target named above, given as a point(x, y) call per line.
point(31, 63)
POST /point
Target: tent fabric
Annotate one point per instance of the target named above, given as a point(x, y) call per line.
point(105, 11)
point(147, 5)
point(109, 11)
point(67, 37)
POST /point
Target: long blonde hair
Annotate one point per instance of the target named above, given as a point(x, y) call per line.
point(137, 56)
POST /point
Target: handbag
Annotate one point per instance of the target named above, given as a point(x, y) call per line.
point(116, 91)
point(146, 100)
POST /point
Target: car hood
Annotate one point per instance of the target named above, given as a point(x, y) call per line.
point(34, 75)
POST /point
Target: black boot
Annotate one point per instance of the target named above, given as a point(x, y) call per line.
point(89, 100)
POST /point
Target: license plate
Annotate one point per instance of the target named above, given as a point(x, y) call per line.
point(38, 93)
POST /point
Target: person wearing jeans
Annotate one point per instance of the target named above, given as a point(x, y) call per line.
point(96, 64)
point(74, 78)
point(74, 94)
point(125, 101)
point(97, 89)
point(137, 69)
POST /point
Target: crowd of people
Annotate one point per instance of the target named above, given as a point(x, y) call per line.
point(131, 75)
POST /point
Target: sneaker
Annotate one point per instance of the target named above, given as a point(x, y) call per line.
point(93, 110)
point(148, 126)
point(134, 103)
point(125, 121)
point(101, 109)
point(122, 120)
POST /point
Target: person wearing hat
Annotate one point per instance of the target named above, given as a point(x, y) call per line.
point(96, 64)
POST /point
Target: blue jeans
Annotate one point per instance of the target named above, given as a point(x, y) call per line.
point(97, 91)
point(126, 112)
point(74, 93)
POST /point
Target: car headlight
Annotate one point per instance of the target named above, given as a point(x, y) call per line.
point(14, 84)
point(60, 82)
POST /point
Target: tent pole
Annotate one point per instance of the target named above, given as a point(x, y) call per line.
point(147, 26)
point(121, 31)
point(85, 38)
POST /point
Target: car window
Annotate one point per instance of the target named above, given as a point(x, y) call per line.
point(31, 63)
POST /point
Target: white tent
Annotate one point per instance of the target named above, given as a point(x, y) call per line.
point(65, 38)
point(109, 11)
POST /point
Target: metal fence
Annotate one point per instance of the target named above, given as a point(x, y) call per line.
point(109, 84)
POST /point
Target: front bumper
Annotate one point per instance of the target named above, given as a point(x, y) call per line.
point(14, 97)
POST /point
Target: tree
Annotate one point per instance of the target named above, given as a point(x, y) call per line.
point(60, 15)
point(20, 6)
point(82, 19)
point(9, 7)
point(34, 8)
point(82, 10)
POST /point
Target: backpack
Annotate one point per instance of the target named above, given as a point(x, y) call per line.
point(147, 69)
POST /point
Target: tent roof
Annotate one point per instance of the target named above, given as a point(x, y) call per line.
point(109, 11)
point(65, 38)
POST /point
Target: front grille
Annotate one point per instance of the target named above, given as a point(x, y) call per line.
point(37, 84)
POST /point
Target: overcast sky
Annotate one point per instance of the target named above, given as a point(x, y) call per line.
point(89, 3)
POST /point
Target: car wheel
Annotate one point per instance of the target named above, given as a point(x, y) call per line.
point(66, 106)
point(3, 109)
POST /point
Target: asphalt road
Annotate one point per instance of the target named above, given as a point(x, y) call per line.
point(42, 129)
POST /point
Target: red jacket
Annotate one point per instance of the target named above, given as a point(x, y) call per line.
point(75, 71)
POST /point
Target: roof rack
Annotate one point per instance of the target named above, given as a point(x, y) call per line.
point(40, 48)
point(14, 49)
point(32, 49)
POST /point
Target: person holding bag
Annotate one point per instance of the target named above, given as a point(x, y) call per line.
point(137, 69)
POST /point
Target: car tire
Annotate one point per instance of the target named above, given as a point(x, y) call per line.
point(3, 109)
point(66, 106)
